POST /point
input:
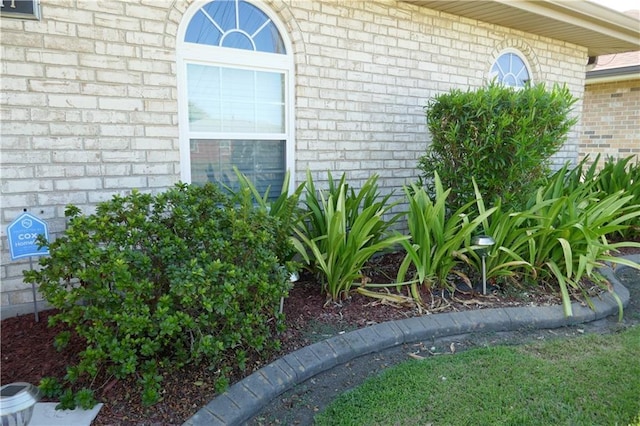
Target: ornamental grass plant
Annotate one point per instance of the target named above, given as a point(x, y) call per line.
point(342, 232)
point(439, 242)
point(562, 237)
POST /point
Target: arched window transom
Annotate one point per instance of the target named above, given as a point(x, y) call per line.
point(511, 69)
point(235, 24)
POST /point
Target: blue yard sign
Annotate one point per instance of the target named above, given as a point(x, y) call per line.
point(23, 233)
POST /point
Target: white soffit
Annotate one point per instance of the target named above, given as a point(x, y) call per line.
point(600, 29)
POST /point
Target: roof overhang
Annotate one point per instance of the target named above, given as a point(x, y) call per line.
point(611, 75)
point(600, 29)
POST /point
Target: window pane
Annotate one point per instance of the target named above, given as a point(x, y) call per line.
point(268, 40)
point(251, 18)
point(504, 62)
point(235, 100)
point(270, 87)
point(200, 30)
point(263, 162)
point(223, 13)
point(204, 104)
point(237, 40)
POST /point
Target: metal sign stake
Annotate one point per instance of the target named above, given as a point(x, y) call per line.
point(33, 290)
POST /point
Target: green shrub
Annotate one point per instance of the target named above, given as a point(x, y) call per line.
point(284, 208)
point(156, 282)
point(342, 231)
point(501, 137)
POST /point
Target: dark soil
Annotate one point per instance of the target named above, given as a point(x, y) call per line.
point(28, 353)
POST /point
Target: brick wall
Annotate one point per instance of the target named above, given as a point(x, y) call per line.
point(371, 67)
point(611, 120)
point(89, 98)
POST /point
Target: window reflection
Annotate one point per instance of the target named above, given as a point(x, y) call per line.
point(235, 24)
point(223, 99)
point(263, 162)
point(510, 70)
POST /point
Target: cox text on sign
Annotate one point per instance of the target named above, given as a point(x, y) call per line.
point(23, 235)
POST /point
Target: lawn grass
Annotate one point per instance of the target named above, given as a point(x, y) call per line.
point(588, 380)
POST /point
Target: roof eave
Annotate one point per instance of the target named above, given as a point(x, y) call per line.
point(613, 75)
point(600, 29)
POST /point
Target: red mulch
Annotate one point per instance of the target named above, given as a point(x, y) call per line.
point(28, 353)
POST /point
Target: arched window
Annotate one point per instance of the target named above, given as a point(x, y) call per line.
point(235, 74)
point(511, 69)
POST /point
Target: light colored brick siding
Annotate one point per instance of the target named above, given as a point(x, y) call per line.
point(89, 102)
point(611, 120)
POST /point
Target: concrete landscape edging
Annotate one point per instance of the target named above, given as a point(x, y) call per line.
point(247, 397)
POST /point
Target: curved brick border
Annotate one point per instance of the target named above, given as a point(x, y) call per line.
point(246, 398)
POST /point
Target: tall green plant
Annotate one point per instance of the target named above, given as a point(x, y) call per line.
point(509, 232)
point(622, 175)
point(368, 197)
point(568, 238)
point(355, 202)
point(438, 241)
point(562, 236)
point(342, 234)
point(502, 138)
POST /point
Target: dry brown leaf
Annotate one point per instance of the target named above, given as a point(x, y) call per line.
point(415, 356)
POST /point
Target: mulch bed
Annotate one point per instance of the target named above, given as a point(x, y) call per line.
point(28, 353)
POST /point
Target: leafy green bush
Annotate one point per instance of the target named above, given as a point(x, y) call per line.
point(156, 282)
point(284, 208)
point(342, 231)
point(501, 137)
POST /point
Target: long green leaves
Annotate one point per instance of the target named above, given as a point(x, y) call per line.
point(438, 241)
point(562, 237)
point(568, 237)
point(342, 233)
point(511, 238)
point(563, 234)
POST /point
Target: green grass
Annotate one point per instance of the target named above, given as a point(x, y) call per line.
point(588, 380)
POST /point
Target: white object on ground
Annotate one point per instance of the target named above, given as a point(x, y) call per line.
point(45, 414)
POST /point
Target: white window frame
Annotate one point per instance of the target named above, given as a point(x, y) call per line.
point(520, 55)
point(191, 53)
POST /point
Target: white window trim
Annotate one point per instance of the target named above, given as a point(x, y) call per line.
point(189, 53)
